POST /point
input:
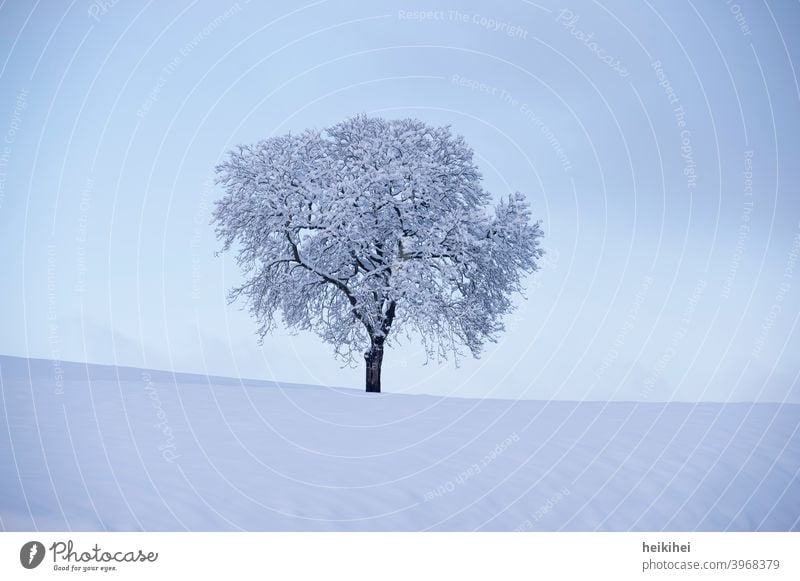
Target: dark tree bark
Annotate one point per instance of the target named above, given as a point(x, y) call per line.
point(374, 359)
point(374, 356)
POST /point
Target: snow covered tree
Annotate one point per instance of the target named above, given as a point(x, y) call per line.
point(371, 228)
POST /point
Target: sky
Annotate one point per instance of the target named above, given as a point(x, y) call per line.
point(658, 143)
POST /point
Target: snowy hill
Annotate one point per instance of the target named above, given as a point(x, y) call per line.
point(104, 448)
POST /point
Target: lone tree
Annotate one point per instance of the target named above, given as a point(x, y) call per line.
point(370, 228)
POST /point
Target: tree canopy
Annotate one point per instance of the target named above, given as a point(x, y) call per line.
point(372, 226)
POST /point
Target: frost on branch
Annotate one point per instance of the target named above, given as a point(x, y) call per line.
point(374, 226)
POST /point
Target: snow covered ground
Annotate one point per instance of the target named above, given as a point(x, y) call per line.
point(105, 448)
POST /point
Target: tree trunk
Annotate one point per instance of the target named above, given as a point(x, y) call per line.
point(374, 359)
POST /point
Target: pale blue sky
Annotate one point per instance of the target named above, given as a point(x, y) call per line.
point(668, 275)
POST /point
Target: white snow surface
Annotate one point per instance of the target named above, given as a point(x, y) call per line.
point(112, 448)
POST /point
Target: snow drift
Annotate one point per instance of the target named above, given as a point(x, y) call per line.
point(87, 447)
